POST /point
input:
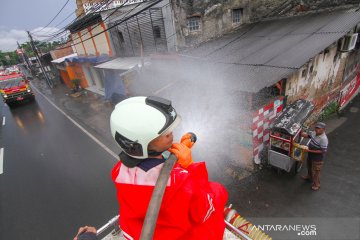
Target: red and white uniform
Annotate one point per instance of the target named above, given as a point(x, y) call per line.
point(192, 207)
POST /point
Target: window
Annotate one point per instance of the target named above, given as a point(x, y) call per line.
point(303, 73)
point(157, 32)
point(236, 15)
point(121, 37)
point(311, 68)
point(193, 23)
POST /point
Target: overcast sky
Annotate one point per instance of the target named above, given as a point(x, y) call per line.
point(17, 16)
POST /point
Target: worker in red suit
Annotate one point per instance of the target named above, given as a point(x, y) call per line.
point(192, 207)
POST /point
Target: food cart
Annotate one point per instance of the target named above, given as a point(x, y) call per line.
point(286, 149)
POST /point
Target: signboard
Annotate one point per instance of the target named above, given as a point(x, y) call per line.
point(104, 5)
point(19, 51)
point(349, 91)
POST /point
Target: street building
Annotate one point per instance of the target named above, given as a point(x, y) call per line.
point(248, 58)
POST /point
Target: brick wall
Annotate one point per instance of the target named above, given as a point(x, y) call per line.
point(63, 51)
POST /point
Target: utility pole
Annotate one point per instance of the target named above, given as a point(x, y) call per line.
point(23, 56)
point(48, 80)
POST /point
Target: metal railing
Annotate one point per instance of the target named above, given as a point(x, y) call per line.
point(113, 225)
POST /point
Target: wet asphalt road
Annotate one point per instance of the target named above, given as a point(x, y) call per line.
point(55, 178)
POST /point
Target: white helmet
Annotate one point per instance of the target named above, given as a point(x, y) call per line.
point(136, 121)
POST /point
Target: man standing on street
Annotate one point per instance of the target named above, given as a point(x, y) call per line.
point(316, 152)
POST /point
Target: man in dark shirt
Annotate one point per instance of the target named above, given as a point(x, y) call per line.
point(316, 152)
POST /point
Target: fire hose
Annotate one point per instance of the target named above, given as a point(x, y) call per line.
point(152, 213)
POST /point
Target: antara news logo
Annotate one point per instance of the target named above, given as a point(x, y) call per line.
point(299, 229)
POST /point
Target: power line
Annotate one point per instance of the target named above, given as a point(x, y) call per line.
point(118, 23)
point(62, 30)
point(116, 9)
point(122, 20)
point(48, 80)
point(55, 16)
point(61, 34)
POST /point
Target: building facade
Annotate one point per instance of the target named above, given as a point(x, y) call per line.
point(91, 44)
point(255, 58)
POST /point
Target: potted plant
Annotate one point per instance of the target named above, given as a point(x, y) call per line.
point(76, 83)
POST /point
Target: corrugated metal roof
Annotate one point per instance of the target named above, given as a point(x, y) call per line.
point(124, 63)
point(260, 54)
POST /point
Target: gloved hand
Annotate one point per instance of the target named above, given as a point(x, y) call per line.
point(186, 140)
point(183, 154)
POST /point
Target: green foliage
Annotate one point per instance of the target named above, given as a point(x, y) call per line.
point(27, 48)
point(329, 111)
point(9, 58)
point(76, 82)
point(43, 47)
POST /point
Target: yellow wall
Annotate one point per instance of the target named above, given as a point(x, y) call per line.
point(77, 44)
point(101, 41)
point(86, 44)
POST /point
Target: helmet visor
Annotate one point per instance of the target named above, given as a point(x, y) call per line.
point(170, 128)
point(130, 147)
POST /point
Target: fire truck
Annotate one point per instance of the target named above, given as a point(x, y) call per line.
point(14, 87)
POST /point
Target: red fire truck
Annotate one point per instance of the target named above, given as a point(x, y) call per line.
point(14, 87)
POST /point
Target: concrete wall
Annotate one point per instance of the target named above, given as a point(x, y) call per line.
point(170, 32)
point(351, 82)
point(319, 80)
point(102, 41)
point(216, 19)
point(63, 51)
point(216, 15)
point(136, 35)
point(334, 76)
point(77, 44)
point(87, 44)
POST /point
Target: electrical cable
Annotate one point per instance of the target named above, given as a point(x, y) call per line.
point(54, 17)
point(105, 30)
point(117, 8)
point(64, 33)
point(94, 8)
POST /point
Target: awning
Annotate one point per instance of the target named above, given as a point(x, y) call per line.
point(125, 63)
point(60, 60)
point(91, 59)
point(82, 59)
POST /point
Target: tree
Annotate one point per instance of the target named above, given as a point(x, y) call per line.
point(9, 58)
point(43, 47)
point(27, 48)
